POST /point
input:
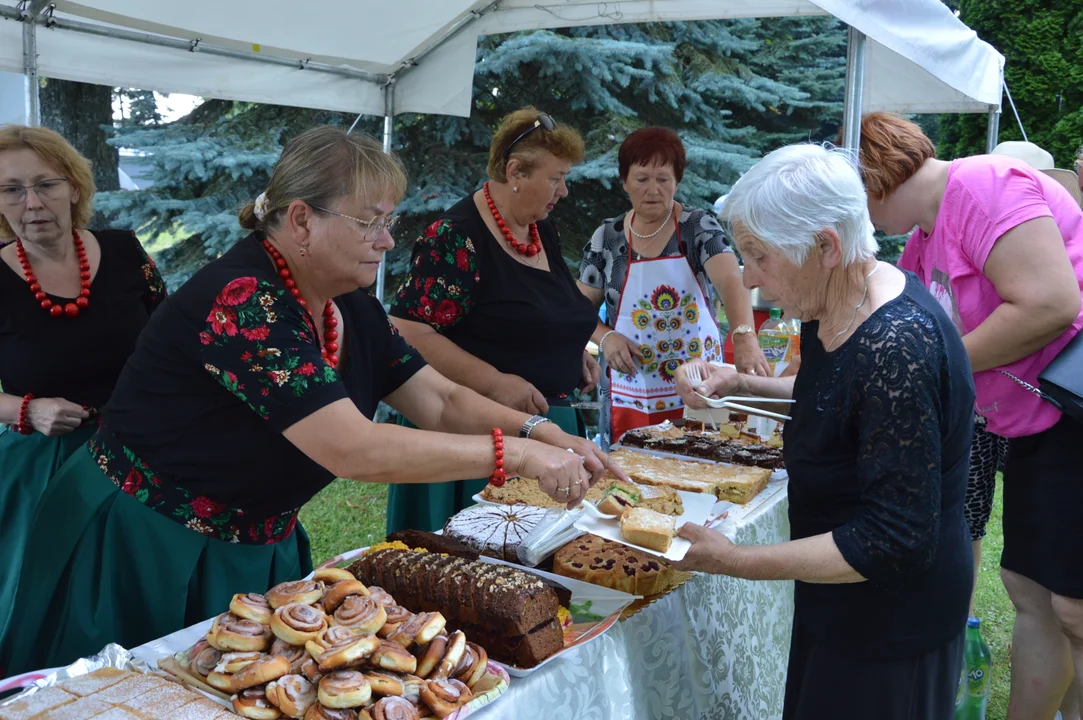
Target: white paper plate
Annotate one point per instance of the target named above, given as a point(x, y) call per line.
point(697, 509)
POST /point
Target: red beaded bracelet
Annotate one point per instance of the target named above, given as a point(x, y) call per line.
point(23, 427)
point(499, 476)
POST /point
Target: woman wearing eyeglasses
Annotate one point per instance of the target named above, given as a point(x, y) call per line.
point(72, 302)
point(251, 389)
point(490, 303)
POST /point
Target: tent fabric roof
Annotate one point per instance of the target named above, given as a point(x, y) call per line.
point(920, 57)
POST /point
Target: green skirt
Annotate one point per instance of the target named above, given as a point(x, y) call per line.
point(101, 567)
point(427, 506)
point(26, 464)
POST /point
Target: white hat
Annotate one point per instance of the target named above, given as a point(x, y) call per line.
point(1040, 159)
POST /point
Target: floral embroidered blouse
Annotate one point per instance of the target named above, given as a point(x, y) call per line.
point(520, 319)
point(78, 359)
point(194, 428)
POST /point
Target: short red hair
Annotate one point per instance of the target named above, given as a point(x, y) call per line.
point(652, 146)
point(893, 149)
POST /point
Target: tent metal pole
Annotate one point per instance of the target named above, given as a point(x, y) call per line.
point(993, 131)
point(472, 16)
point(195, 45)
point(855, 86)
point(30, 69)
point(389, 136)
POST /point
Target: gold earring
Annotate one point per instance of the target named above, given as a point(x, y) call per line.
point(303, 251)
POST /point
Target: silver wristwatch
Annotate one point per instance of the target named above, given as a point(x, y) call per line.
point(530, 424)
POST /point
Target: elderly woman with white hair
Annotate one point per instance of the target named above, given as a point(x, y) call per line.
point(877, 451)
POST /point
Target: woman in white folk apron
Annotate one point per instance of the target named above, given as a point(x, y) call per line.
point(650, 266)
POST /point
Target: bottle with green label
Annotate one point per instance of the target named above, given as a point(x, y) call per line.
point(974, 684)
point(775, 335)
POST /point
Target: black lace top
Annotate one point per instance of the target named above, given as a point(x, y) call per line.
point(878, 454)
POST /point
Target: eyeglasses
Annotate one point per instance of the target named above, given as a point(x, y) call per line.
point(375, 225)
point(51, 189)
point(544, 121)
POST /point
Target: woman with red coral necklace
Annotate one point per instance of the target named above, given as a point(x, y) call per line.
point(72, 303)
point(250, 390)
point(490, 303)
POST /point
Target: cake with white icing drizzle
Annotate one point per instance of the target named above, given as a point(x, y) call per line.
point(494, 530)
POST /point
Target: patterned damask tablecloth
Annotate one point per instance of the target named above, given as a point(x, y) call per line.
point(714, 649)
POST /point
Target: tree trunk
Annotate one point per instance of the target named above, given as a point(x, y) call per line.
point(78, 111)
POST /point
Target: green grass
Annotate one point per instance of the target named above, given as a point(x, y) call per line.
point(348, 515)
point(343, 516)
point(992, 605)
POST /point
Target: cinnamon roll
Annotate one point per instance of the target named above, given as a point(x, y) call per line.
point(349, 652)
point(472, 665)
point(380, 595)
point(253, 703)
point(411, 688)
point(333, 634)
point(340, 591)
point(292, 694)
point(303, 592)
point(297, 624)
point(396, 616)
point(456, 645)
point(230, 633)
point(384, 683)
point(361, 613)
point(394, 657)
point(251, 606)
point(294, 653)
point(202, 658)
point(311, 670)
point(234, 662)
point(319, 712)
point(344, 689)
point(444, 697)
point(394, 708)
point(220, 681)
point(430, 656)
point(420, 629)
point(332, 575)
point(260, 672)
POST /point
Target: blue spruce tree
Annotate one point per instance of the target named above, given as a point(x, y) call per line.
point(733, 90)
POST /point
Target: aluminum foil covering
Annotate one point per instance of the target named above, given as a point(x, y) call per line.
point(113, 656)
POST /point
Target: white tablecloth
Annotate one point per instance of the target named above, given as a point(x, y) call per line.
point(716, 647)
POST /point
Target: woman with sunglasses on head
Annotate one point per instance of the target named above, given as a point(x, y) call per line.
point(72, 302)
point(251, 389)
point(490, 303)
point(651, 267)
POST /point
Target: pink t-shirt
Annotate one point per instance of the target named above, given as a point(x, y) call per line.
point(985, 197)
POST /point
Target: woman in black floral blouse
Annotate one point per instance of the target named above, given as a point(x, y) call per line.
point(490, 303)
point(72, 303)
point(877, 451)
point(251, 389)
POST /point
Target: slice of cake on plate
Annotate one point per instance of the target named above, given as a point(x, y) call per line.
point(648, 529)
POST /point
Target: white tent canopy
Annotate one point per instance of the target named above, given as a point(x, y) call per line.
point(342, 54)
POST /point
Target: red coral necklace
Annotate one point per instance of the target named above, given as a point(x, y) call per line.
point(530, 250)
point(330, 322)
point(70, 309)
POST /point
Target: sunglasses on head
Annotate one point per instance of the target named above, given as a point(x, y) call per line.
point(544, 120)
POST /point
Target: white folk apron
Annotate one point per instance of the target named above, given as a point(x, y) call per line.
point(665, 312)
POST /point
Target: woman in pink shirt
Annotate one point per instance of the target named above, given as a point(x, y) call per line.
point(1000, 245)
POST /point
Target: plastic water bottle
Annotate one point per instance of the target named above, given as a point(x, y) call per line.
point(974, 685)
point(774, 339)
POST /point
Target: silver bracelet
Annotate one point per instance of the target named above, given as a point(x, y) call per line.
point(531, 423)
point(602, 339)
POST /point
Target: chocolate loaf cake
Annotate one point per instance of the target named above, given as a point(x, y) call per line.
point(433, 543)
point(506, 603)
point(523, 651)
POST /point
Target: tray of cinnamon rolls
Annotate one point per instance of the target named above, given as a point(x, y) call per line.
point(332, 648)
